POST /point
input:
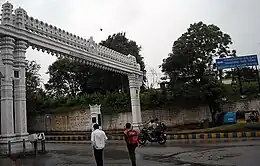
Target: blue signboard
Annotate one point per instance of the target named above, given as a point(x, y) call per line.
point(230, 117)
point(237, 62)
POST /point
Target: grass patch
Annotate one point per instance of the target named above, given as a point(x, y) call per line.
point(250, 89)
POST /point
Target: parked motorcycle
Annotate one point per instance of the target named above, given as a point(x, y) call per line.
point(146, 136)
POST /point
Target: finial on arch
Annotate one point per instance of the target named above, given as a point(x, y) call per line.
point(91, 38)
point(7, 3)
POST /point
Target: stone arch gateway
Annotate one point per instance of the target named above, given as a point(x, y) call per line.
point(18, 31)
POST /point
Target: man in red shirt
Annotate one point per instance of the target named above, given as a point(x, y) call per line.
point(131, 139)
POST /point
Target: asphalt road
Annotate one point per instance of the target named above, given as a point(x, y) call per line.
point(242, 153)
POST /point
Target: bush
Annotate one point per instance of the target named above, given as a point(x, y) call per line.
point(153, 98)
point(111, 102)
point(150, 99)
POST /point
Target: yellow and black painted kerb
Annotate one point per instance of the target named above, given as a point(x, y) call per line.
point(201, 136)
point(214, 135)
point(67, 138)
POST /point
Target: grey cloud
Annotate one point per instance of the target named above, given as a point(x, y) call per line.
point(127, 13)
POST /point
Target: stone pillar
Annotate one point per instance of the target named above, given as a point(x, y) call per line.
point(20, 18)
point(135, 82)
point(95, 115)
point(7, 14)
point(7, 123)
point(20, 88)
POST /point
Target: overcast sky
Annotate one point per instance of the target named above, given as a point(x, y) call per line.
point(154, 25)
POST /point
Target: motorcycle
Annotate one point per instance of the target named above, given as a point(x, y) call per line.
point(146, 136)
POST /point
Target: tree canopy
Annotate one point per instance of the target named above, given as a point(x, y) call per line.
point(120, 43)
point(192, 53)
point(65, 77)
point(33, 79)
point(190, 65)
point(70, 78)
point(34, 92)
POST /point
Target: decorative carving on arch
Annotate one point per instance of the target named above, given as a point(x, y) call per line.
point(135, 81)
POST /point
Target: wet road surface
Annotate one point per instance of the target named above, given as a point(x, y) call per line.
point(79, 155)
point(202, 154)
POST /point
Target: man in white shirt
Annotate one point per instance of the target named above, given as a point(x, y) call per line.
point(98, 139)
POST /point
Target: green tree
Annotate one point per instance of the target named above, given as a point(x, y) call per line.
point(33, 79)
point(212, 93)
point(190, 65)
point(33, 87)
point(63, 79)
point(69, 78)
point(120, 43)
point(193, 52)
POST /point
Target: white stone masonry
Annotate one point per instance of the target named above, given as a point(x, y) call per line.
point(135, 82)
point(18, 31)
point(20, 89)
point(7, 125)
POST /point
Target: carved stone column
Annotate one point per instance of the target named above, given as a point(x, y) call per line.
point(135, 82)
point(7, 14)
point(20, 88)
point(7, 120)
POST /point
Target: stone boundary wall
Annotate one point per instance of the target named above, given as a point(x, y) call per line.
point(80, 120)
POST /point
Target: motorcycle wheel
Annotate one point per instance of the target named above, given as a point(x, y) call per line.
point(162, 140)
point(142, 140)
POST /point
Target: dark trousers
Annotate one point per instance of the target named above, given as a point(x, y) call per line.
point(131, 150)
point(98, 153)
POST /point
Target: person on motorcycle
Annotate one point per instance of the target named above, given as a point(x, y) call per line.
point(151, 124)
point(157, 134)
point(150, 127)
point(157, 127)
